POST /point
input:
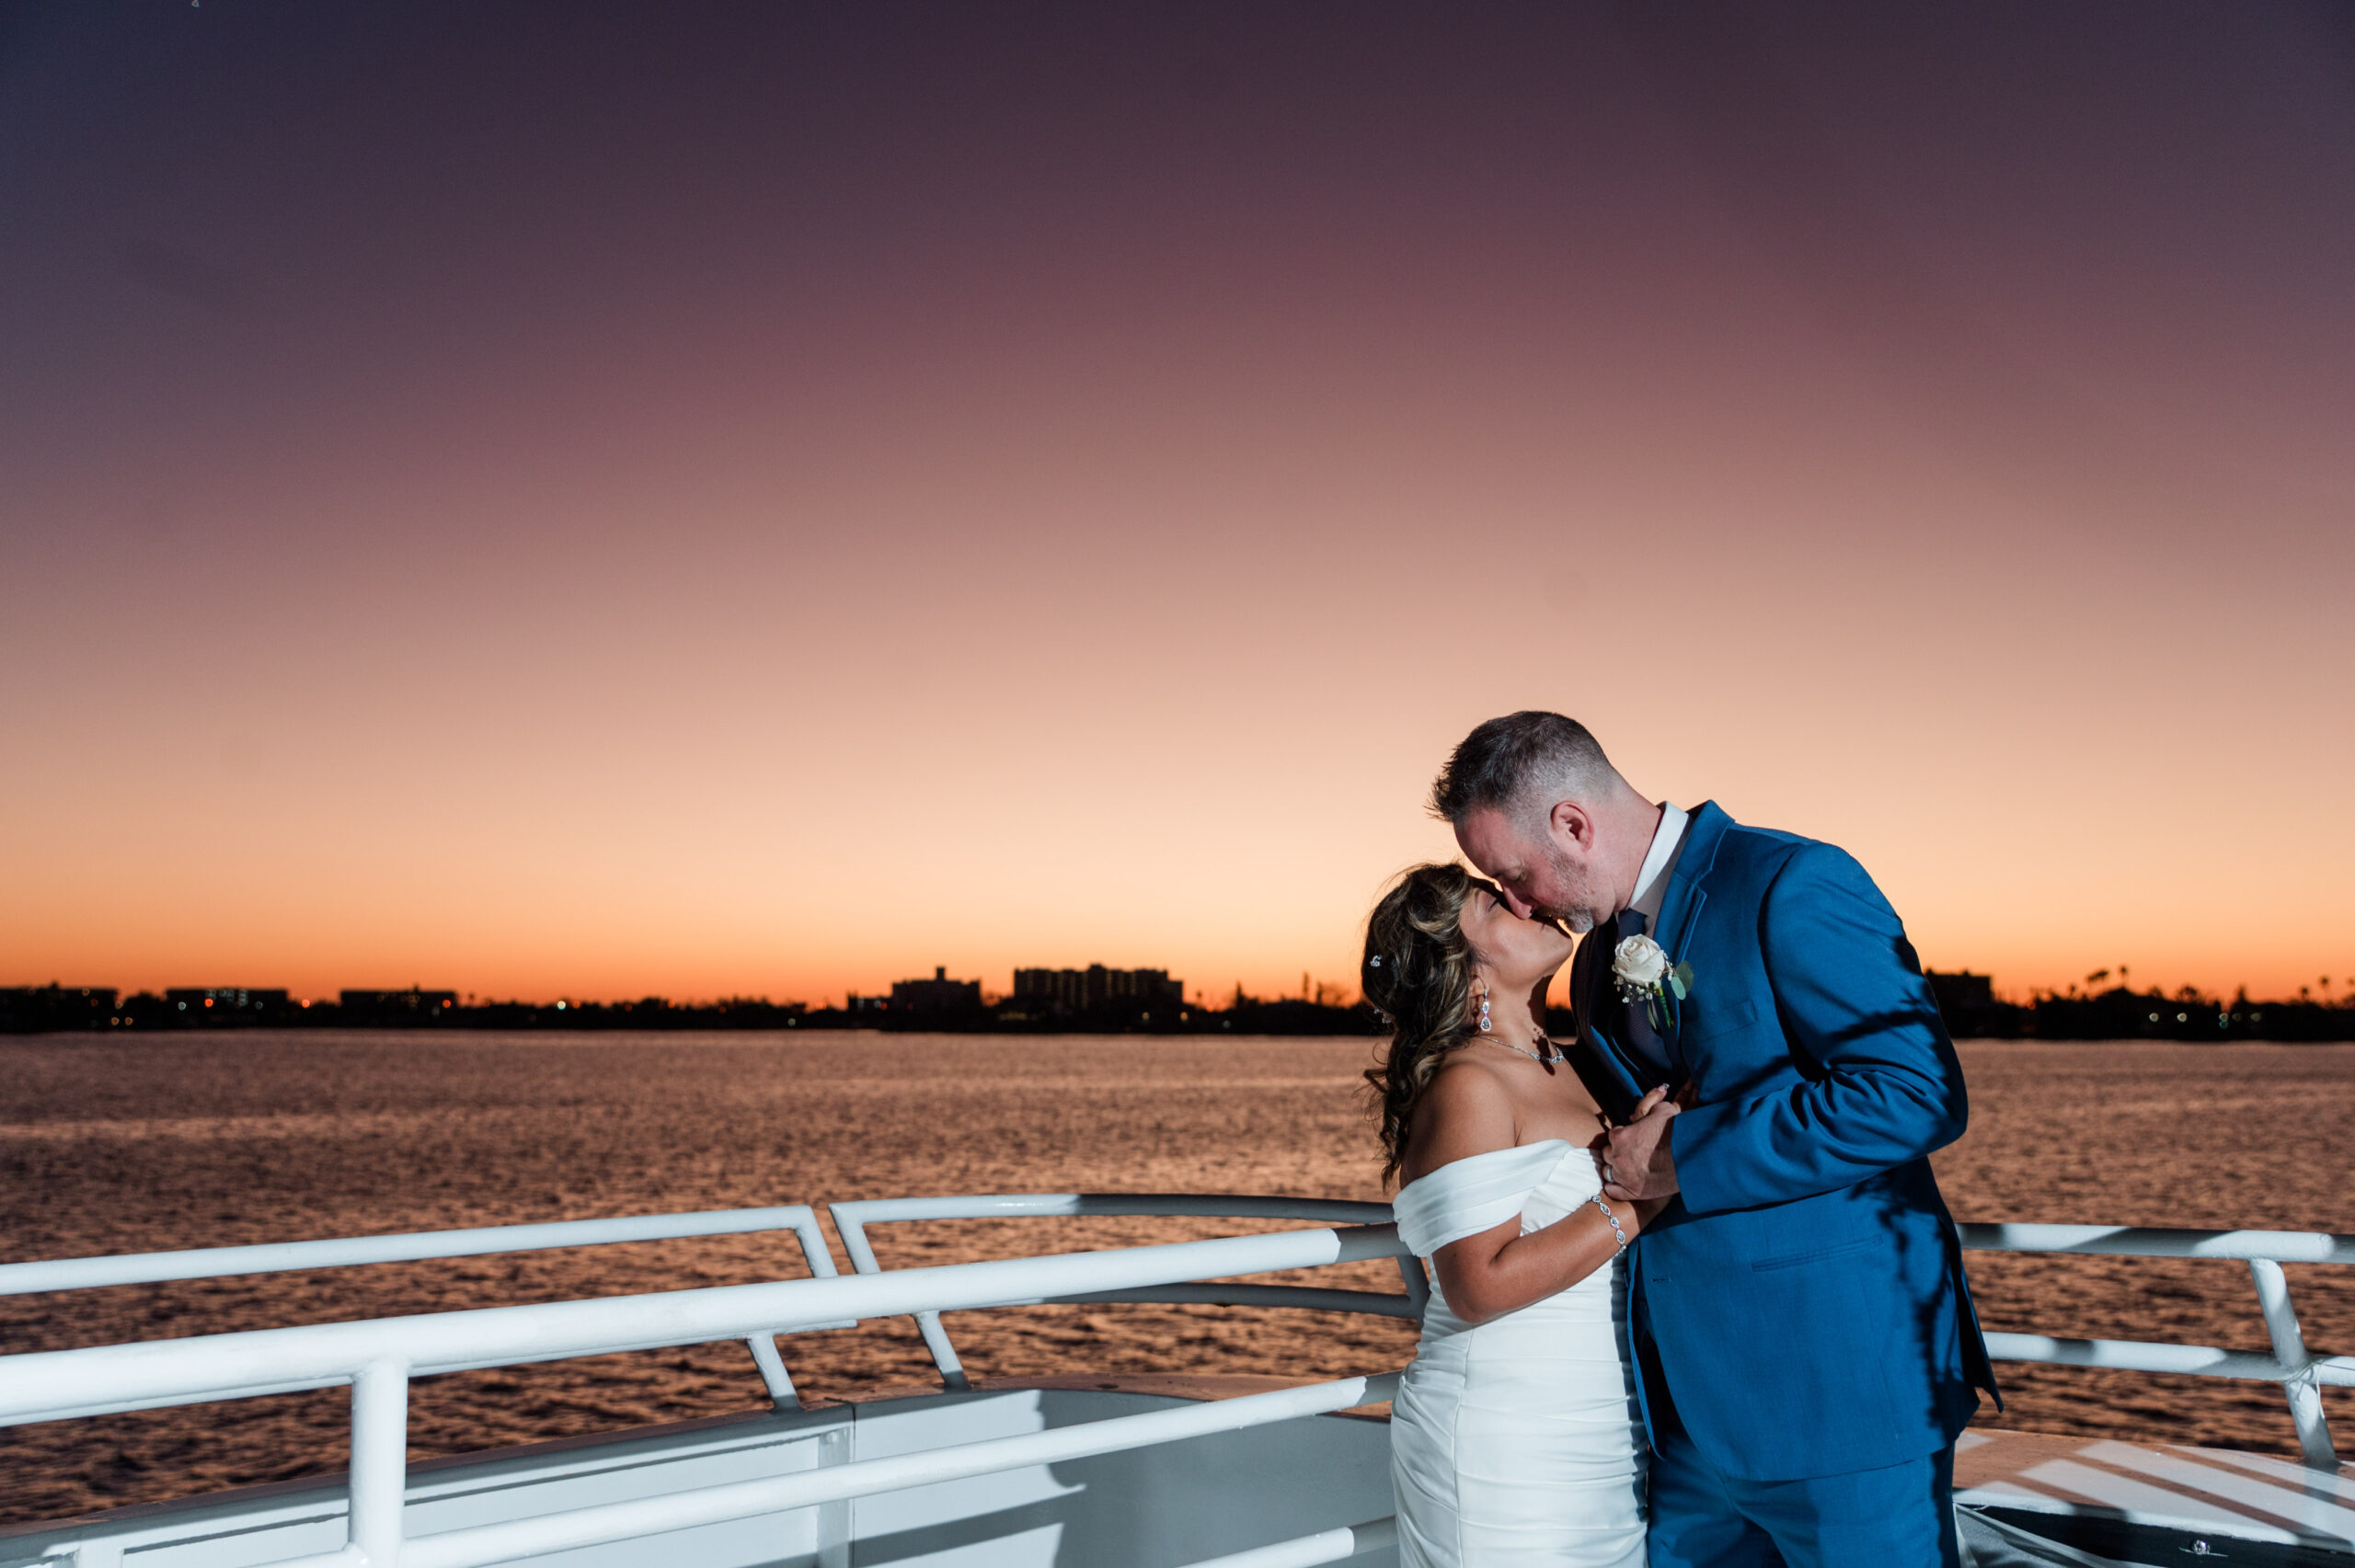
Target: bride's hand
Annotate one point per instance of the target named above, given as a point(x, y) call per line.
point(1639, 1161)
point(1644, 1106)
point(1601, 1146)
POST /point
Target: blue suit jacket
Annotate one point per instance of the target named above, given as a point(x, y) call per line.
point(1800, 1305)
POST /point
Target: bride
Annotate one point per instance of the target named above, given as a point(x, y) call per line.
point(1514, 1437)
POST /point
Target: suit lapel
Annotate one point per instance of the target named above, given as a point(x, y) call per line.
point(1685, 893)
point(1609, 1074)
point(1612, 1074)
point(1681, 905)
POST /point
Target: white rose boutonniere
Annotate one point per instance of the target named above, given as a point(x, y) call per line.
point(1639, 967)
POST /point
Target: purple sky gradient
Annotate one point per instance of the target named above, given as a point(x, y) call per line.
point(595, 500)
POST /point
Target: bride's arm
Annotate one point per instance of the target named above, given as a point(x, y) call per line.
point(1500, 1271)
point(1466, 1111)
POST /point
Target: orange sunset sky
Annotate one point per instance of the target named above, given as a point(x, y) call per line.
point(607, 501)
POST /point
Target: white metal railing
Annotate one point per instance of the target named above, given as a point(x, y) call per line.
point(851, 1221)
point(419, 1246)
point(504, 1542)
point(1327, 1546)
point(2300, 1374)
point(379, 1357)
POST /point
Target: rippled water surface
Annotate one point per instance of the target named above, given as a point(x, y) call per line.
point(113, 1146)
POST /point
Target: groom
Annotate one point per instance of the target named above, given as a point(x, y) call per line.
point(1806, 1347)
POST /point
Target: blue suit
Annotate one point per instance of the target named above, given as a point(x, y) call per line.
point(1799, 1311)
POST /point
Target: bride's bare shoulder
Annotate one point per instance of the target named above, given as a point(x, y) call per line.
point(1467, 1109)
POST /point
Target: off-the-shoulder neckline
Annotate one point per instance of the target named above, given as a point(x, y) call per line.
point(1495, 1155)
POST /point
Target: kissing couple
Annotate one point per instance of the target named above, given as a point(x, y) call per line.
point(1698, 1300)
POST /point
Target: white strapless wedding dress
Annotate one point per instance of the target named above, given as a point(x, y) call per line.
point(1517, 1441)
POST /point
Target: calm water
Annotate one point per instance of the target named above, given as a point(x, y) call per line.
point(109, 1146)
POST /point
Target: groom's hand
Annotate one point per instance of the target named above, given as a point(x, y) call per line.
point(1639, 1164)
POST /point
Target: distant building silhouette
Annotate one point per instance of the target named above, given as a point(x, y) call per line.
point(243, 1002)
point(1082, 991)
point(1962, 991)
point(409, 1006)
point(1967, 1002)
point(938, 994)
point(36, 1010)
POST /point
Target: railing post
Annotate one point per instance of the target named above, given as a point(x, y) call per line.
point(771, 1362)
point(814, 1250)
point(1419, 1284)
point(834, 1518)
point(935, 1339)
point(2297, 1374)
point(379, 1460)
point(944, 1355)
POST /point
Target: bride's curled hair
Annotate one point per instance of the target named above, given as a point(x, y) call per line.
point(1418, 971)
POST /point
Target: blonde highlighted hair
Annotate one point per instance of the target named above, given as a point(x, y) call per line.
point(1417, 972)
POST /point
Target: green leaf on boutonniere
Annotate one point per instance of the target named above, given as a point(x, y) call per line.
point(1680, 981)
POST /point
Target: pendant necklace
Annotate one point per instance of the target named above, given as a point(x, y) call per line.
point(1543, 1060)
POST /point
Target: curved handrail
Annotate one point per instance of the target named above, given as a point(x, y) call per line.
point(49, 1385)
point(2300, 1374)
point(422, 1246)
point(2140, 1241)
point(852, 1218)
point(2265, 1251)
point(413, 1246)
point(383, 1353)
point(379, 1357)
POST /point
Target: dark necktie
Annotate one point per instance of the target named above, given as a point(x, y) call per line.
point(1643, 1041)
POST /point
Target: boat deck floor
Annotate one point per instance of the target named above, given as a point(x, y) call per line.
point(2242, 1496)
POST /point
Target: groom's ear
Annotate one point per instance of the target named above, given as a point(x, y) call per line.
point(1569, 820)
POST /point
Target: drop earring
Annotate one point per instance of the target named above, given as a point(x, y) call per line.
point(1484, 1013)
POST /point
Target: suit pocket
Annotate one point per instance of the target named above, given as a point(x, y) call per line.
point(1741, 1015)
point(1798, 1260)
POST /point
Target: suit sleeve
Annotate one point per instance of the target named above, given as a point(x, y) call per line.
point(1883, 1086)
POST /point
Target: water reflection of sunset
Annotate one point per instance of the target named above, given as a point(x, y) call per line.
point(562, 510)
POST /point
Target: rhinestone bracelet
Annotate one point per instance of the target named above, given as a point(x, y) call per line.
point(1614, 1222)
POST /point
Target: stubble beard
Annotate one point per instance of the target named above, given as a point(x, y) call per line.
point(1579, 915)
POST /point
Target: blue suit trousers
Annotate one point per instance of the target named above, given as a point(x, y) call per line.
point(1899, 1516)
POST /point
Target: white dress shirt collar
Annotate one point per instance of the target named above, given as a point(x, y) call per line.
point(1651, 881)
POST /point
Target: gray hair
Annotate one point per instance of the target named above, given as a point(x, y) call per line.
point(1509, 764)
